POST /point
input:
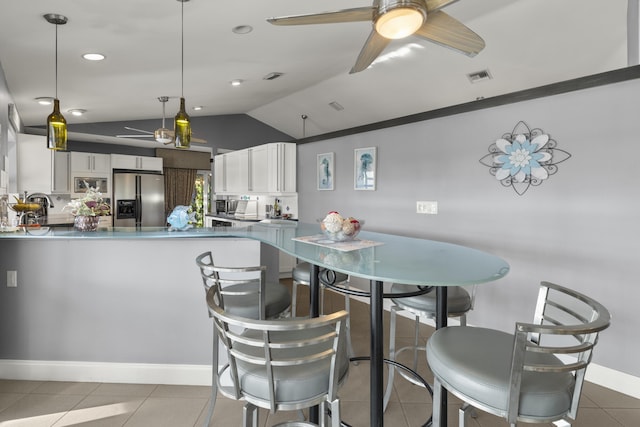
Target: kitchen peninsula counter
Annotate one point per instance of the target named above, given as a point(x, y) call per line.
point(115, 305)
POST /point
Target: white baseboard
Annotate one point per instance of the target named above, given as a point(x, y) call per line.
point(134, 373)
point(145, 373)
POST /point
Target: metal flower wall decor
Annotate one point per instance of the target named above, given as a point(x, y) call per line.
point(523, 158)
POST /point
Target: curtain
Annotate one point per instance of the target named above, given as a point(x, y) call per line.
point(178, 187)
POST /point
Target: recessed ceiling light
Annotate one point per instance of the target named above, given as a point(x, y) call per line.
point(197, 108)
point(93, 56)
point(242, 29)
point(336, 106)
point(44, 100)
point(77, 111)
point(236, 82)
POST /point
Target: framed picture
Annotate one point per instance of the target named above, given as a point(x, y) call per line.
point(364, 168)
point(325, 171)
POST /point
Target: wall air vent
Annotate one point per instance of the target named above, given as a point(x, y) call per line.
point(272, 76)
point(479, 76)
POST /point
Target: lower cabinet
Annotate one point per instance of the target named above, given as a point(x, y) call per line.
point(287, 263)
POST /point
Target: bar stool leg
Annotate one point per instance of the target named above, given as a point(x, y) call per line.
point(392, 356)
point(294, 299)
point(214, 378)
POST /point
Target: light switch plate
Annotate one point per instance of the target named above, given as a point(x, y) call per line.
point(427, 207)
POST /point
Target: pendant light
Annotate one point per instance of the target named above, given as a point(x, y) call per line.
point(56, 123)
point(182, 123)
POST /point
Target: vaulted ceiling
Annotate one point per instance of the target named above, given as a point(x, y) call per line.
point(529, 43)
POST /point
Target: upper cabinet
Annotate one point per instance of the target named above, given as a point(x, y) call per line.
point(123, 161)
point(40, 170)
point(268, 168)
point(90, 163)
point(282, 167)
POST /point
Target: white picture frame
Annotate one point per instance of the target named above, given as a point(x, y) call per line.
point(364, 168)
point(325, 171)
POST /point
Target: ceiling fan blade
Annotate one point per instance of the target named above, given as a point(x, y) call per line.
point(134, 136)
point(433, 5)
point(345, 15)
point(374, 45)
point(446, 31)
point(138, 130)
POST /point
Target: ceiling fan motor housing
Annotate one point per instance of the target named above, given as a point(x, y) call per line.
point(396, 19)
point(163, 135)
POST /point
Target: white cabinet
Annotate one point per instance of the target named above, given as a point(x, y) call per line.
point(124, 161)
point(264, 169)
point(40, 170)
point(282, 167)
point(232, 172)
point(90, 163)
point(219, 176)
point(61, 177)
point(258, 169)
point(237, 172)
point(287, 263)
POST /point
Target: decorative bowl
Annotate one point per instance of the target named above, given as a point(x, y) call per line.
point(24, 207)
point(349, 230)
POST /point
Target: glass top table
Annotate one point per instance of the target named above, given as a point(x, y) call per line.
point(385, 258)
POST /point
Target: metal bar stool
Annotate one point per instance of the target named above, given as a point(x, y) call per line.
point(288, 364)
point(459, 302)
point(245, 293)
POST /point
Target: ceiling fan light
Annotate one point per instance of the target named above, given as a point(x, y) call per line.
point(399, 22)
point(163, 135)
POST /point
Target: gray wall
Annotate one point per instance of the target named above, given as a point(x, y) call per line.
point(579, 228)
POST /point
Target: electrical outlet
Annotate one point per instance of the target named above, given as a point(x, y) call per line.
point(12, 279)
point(427, 207)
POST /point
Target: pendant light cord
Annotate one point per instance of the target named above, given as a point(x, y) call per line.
point(56, 61)
point(182, 48)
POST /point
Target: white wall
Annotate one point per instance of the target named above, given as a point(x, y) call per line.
point(580, 228)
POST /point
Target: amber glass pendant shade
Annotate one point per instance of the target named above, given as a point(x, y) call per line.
point(56, 129)
point(182, 128)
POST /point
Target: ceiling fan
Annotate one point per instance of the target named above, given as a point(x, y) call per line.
point(395, 19)
point(162, 135)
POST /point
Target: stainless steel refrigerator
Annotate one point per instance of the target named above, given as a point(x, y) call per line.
point(138, 199)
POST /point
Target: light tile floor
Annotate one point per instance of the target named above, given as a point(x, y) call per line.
point(57, 404)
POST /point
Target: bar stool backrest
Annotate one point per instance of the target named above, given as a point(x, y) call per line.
point(273, 352)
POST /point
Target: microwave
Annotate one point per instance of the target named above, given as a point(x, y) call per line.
point(81, 184)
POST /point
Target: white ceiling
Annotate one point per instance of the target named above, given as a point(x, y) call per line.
point(530, 43)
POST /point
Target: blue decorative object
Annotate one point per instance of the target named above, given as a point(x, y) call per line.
point(181, 218)
point(523, 158)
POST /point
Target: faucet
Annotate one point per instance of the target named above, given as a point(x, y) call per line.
point(42, 195)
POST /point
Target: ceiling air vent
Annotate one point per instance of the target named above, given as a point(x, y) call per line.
point(479, 76)
point(272, 76)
